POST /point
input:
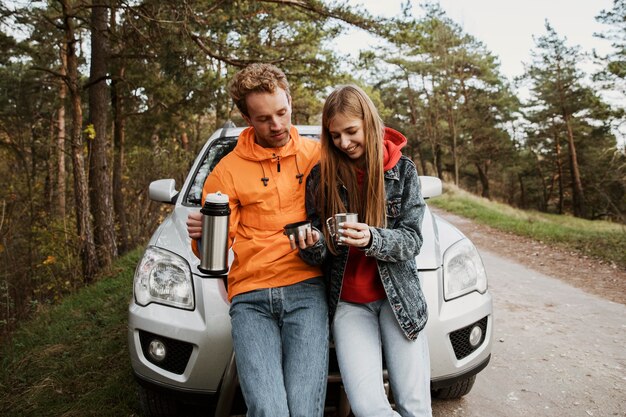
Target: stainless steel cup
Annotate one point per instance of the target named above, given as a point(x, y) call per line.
point(332, 223)
point(294, 229)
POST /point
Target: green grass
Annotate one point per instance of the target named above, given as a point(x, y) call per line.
point(599, 239)
point(72, 359)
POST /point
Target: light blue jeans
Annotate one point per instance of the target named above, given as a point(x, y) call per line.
point(360, 332)
point(280, 337)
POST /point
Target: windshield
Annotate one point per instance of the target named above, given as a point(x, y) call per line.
point(218, 149)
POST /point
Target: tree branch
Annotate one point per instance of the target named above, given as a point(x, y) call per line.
point(232, 61)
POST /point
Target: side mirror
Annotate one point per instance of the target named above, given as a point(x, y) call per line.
point(431, 186)
point(163, 191)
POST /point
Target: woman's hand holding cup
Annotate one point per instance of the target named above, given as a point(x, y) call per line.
point(354, 234)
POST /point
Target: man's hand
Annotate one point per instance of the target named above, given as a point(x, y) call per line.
point(194, 225)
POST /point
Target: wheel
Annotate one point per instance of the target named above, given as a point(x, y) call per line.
point(457, 390)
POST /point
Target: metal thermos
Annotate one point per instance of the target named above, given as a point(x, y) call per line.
point(214, 244)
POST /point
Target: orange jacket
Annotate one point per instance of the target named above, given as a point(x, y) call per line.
point(263, 257)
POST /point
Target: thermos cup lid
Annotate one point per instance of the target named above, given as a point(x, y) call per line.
point(217, 197)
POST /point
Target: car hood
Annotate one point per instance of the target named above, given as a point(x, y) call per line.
point(172, 235)
point(438, 236)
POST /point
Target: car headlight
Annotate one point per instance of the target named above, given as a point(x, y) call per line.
point(463, 270)
point(165, 278)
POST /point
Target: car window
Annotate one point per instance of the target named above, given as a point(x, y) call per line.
point(218, 149)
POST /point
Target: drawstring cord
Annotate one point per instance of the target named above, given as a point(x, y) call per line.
point(265, 179)
point(277, 157)
point(300, 175)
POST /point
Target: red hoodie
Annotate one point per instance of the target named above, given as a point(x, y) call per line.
point(361, 282)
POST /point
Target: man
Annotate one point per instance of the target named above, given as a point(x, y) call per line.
point(278, 304)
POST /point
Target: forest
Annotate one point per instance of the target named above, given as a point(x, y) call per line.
point(100, 97)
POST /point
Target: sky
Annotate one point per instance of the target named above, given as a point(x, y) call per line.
point(507, 27)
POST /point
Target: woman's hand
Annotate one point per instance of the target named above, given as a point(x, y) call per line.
point(354, 234)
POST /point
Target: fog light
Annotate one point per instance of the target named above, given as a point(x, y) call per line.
point(475, 336)
point(157, 350)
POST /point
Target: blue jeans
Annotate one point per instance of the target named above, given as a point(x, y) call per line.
point(280, 337)
point(360, 332)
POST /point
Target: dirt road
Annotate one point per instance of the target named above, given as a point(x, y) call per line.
point(558, 350)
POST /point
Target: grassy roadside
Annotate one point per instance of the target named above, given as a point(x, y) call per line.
point(71, 359)
point(599, 239)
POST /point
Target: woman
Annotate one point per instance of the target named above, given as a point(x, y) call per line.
point(376, 303)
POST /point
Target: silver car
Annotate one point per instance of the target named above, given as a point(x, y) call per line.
point(179, 328)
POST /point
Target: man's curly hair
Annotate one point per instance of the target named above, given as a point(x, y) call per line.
point(256, 78)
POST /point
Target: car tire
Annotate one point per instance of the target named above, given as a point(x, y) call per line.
point(457, 390)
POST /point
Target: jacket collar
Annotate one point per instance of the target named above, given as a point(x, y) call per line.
point(247, 148)
point(393, 173)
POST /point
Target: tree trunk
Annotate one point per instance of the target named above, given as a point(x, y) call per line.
point(455, 158)
point(577, 186)
point(435, 137)
point(61, 174)
point(119, 134)
point(439, 161)
point(222, 104)
point(545, 195)
point(559, 167)
point(100, 187)
point(452, 124)
point(184, 140)
point(484, 179)
point(522, 191)
point(83, 225)
point(119, 138)
point(416, 154)
point(49, 185)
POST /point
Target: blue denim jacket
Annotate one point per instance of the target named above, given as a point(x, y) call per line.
point(394, 247)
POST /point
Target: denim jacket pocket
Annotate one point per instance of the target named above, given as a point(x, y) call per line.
point(394, 205)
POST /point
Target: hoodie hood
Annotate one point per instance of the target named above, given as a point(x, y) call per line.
point(248, 149)
point(393, 142)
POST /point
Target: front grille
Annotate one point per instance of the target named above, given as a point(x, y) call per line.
point(460, 339)
point(178, 352)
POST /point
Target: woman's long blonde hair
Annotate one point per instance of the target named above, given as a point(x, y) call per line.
point(338, 170)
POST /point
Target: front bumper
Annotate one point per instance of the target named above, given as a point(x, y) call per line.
point(198, 343)
point(202, 370)
point(452, 357)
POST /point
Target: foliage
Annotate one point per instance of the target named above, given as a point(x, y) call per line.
point(166, 159)
point(72, 359)
point(37, 262)
point(569, 134)
point(169, 66)
point(613, 75)
point(447, 94)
